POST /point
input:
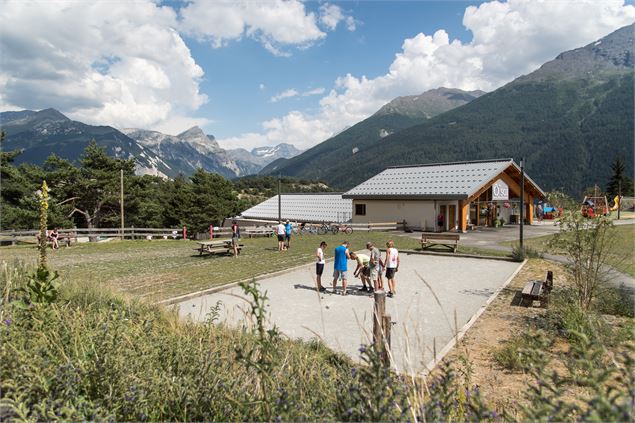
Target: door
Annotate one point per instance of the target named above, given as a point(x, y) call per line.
point(451, 225)
point(442, 219)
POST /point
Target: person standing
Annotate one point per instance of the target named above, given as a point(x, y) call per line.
point(319, 265)
point(280, 231)
point(341, 265)
point(362, 270)
point(288, 230)
point(375, 267)
point(392, 266)
point(540, 212)
point(235, 237)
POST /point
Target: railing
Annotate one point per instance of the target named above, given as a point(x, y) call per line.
point(12, 236)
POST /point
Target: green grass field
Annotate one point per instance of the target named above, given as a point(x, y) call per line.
point(622, 254)
point(157, 270)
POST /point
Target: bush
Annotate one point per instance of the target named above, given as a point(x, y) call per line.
point(616, 301)
point(520, 254)
point(521, 352)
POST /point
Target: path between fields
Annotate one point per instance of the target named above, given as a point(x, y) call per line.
point(425, 321)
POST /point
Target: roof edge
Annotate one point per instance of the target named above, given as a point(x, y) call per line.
point(405, 197)
point(452, 163)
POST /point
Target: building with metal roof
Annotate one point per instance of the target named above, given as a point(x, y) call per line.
point(445, 196)
point(311, 208)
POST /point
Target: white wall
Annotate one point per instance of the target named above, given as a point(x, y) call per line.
point(416, 213)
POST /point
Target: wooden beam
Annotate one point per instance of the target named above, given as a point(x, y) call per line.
point(530, 210)
point(464, 210)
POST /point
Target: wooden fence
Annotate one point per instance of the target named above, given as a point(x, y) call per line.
point(96, 234)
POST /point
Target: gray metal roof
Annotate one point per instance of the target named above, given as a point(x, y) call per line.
point(315, 207)
point(448, 181)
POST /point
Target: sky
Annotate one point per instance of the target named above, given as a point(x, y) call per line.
point(256, 73)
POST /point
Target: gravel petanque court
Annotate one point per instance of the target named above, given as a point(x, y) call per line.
point(421, 324)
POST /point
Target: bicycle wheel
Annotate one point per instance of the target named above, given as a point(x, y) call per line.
point(334, 230)
point(348, 230)
point(321, 230)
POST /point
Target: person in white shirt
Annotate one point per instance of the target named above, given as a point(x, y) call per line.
point(319, 265)
point(392, 266)
point(281, 231)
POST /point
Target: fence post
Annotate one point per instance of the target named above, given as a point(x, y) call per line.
point(386, 324)
point(380, 327)
point(211, 232)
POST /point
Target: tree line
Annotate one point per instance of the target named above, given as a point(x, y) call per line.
point(87, 194)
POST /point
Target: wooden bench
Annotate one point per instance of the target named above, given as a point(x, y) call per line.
point(217, 247)
point(448, 240)
point(538, 290)
point(258, 232)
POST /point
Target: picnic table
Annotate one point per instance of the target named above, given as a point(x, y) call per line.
point(219, 246)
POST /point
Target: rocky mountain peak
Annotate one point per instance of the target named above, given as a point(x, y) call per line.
point(609, 55)
point(429, 103)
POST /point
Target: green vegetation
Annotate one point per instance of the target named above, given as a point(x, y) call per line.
point(95, 355)
point(620, 257)
point(160, 269)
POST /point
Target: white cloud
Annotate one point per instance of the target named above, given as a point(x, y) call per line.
point(262, 87)
point(115, 63)
point(331, 15)
point(315, 91)
point(285, 94)
point(509, 39)
point(276, 24)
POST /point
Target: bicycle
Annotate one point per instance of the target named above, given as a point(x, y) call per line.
point(344, 228)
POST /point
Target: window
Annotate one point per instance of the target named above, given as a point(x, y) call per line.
point(360, 209)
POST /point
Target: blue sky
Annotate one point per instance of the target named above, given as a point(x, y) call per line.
point(369, 50)
point(257, 73)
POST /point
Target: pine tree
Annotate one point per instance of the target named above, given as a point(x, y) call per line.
point(612, 188)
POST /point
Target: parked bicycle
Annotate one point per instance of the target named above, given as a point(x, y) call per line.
point(344, 228)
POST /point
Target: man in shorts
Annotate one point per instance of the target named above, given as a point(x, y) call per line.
point(375, 267)
point(362, 270)
point(319, 265)
point(341, 265)
point(288, 229)
point(280, 231)
point(392, 266)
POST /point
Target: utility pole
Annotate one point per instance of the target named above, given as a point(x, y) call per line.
point(522, 201)
point(122, 218)
point(279, 198)
point(619, 198)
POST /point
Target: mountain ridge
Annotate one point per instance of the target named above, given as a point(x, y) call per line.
point(568, 126)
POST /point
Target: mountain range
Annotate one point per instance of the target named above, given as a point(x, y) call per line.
point(569, 119)
point(38, 134)
point(400, 113)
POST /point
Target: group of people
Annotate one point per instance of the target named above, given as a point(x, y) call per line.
point(369, 267)
point(284, 230)
point(52, 237)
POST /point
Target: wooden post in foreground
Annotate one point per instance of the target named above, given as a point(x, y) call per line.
point(381, 327)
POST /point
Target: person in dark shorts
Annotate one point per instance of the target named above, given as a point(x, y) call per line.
point(319, 265)
point(235, 237)
point(280, 231)
point(392, 267)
